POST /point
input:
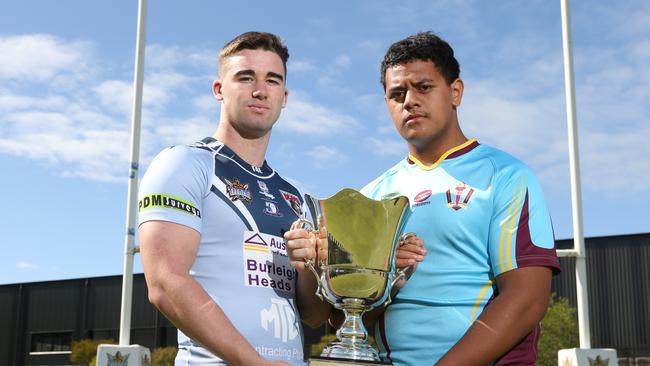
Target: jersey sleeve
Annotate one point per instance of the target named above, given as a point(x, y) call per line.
point(520, 233)
point(173, 188)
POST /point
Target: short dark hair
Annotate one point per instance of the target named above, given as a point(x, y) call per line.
point(255, 41)
point(423, 46)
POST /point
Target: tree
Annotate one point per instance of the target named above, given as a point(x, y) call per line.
point(163, 356)
point(85, 350)
point(559, 331)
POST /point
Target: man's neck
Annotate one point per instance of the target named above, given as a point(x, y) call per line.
point(432, 152)
point(252, 151)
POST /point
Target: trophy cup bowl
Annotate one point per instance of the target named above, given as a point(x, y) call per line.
point(358, 272)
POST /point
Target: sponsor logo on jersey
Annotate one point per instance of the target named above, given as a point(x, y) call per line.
point(293, 201)
point(280, 318)
point(167, 201)
point(422, 198)
point(272, 210)
point(459, 196)
point(256, 169)
point(238, 191)
point(264, 190)
point(266, 263)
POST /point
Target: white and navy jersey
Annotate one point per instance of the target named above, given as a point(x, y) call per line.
point(241, 212)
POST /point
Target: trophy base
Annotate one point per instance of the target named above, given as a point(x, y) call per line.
point(327, 361)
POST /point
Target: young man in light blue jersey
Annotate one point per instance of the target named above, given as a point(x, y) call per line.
point(478, 295)
point(212, 215)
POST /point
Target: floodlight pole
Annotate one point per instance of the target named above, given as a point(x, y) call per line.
point(576, 195)
point(132, 195)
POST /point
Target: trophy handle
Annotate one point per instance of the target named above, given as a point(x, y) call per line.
point(399, 273)
point(309, 263)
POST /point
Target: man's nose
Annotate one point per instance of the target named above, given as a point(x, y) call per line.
point(410, 99)
point(260, 91)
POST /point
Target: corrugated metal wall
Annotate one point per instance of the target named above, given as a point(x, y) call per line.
point(618, 275)
point(88, 308)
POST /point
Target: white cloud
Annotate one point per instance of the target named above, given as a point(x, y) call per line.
point(81, 128)
point(342, 61)
point(387, 147)
point(26, 265)
point(116, 95)
point(38, 57)
point(300, 66)
point(325, 156)
point(305, 117)
point(160, 58)
point(9, 102)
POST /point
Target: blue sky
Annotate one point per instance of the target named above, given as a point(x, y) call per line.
point(66, 71)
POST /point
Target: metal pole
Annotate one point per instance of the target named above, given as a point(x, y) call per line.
point(132, 196)
point(574, 166)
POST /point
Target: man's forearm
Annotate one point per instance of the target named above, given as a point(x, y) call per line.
point(313, 311)
point(519, 307)
point(192, 310)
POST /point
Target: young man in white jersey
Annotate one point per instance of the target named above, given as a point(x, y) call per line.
point(478, 295)
point(212, 215)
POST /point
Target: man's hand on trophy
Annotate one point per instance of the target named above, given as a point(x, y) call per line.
point(410, 252)
point(301, 246)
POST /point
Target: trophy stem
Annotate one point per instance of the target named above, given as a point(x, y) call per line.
point(352, 335)
point(352, 330)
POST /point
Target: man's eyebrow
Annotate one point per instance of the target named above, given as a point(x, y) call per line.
point(275, 75)
point(394, 88)
point(423, 81)
point(249, 72)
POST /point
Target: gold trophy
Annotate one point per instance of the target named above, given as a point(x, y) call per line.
point(359, 271)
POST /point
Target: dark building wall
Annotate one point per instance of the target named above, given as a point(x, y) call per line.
point(618, 284)
point(78, 309)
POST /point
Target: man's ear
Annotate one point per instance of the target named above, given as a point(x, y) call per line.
point(286, 97)
point(457, 88)
point(216, 89)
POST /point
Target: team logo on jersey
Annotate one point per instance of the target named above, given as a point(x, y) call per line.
point(281, 319)
point(293, 201)
point(459, 193)
point(264, 190)
point(272, 210)
point(421, 198)
point(238, 191)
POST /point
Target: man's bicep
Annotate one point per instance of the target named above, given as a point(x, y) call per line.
point(167, 247)
point(527, 282)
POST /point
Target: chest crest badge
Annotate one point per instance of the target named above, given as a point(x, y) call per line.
point(293, 201)
point(238, 191)
point(459, 196)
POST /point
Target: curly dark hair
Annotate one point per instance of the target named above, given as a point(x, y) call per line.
point(256, 41)
point(423, 46)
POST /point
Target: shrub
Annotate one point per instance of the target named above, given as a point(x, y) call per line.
point(559, 331)
point(163, 356)
point(84, 351)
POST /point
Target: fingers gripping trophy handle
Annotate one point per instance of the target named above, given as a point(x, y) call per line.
point(399, 273)
point(309, 262)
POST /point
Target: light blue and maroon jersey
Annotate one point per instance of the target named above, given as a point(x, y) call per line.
point(241, 212)
point(481, 213)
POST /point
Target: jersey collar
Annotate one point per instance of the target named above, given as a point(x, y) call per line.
point(224, 150)
point(456, 151)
